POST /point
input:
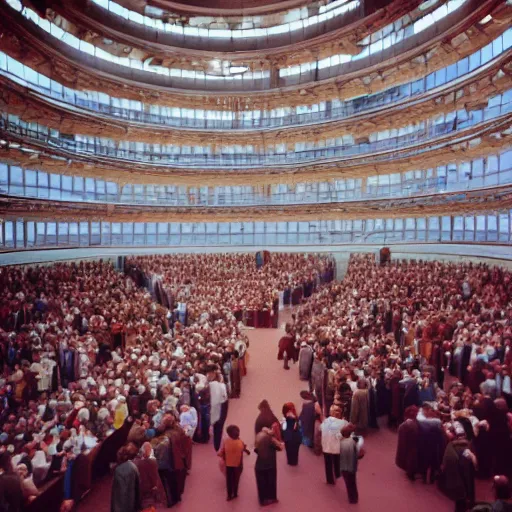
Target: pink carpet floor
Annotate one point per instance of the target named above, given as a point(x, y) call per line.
point(382, 486)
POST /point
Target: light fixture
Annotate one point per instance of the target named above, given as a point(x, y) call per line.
point(485, 20)
point(238, 70)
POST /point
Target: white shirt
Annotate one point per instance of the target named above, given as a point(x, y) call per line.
point(218, 395)
point(331, 434)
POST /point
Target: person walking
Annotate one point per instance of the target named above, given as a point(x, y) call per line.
point(291, 433)
point(331, 437)
point(126, 495)
point(266, 447)
point(232, 452)
point(350, 452)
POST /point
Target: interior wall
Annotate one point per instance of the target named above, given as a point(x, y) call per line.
point(491, 254)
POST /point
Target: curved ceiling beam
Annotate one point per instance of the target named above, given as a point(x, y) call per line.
point(473, 91)
point(480, 140)
point(174, 52)
point(253, 8)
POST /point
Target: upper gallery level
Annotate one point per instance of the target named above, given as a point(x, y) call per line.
point(224, 33)
point(117, 113)
point(465, 24)
point(483, 78)
point(491, 171)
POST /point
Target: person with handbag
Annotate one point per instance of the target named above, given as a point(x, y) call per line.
point(351, 450)
point(232, 455)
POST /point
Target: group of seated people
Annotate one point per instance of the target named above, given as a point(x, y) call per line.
point(428, 344)
point(210, 283)
point(82, 349)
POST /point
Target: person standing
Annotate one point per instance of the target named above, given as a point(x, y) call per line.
point(350, 452)
point(431, 443)
point(151, 488)
point(266, 447)
point(360, 406)
point(305, 361)
point(218, 409)
point(457, 478)
point(165, 466)
point(331, 437)
point(408, 443)
point(203, 398)
point(291, 433)
point(232, 453)
point(126, 496)
point(286, 347)
point(266, 418)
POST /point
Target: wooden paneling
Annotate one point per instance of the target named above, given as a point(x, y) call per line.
point(488, 200)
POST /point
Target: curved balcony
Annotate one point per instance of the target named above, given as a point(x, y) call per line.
point(112, 20)
point(138, 112)
point(486, 81)
point(167, 154)
point(493, 171)
point(447, 203)
point(293, 96)
point(211, 78)
point(481, 140)
point(491, 227)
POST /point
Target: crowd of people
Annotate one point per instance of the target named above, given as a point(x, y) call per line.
point(88, 355)
point(213, 284)
point(85, 352)
point(429, 345)
point(82, 348)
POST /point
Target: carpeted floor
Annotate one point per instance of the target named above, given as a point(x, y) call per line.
point(382, 486)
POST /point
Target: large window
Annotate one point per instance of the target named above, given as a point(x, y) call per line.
point(491, 171)
point(465, 229)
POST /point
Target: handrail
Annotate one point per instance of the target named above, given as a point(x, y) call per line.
point(430, 131)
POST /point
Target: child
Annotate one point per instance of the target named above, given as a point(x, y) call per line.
point(232, 452)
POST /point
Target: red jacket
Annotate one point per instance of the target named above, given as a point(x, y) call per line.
point(287, 344)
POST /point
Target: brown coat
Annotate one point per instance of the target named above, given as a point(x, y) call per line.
point(151, 488)
point(407, 447)
point(360, 408)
